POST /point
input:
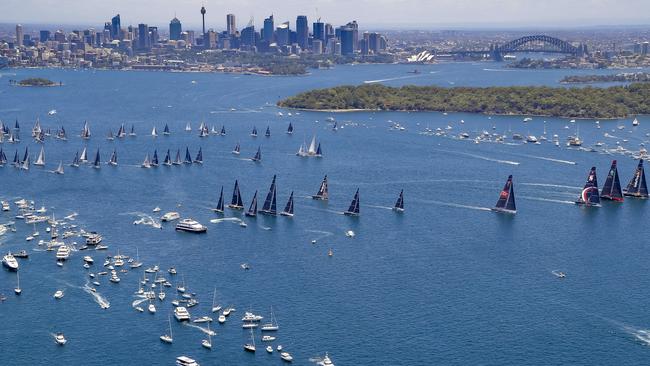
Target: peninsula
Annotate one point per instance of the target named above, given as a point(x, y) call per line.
point(588, 102)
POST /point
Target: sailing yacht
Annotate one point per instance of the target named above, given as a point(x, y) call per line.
point(154, 133)
point(146, 163)
point(612, 187)
point(188, 127)
point(132, 133)
point(219, 208)
point(302, 151)
point(199, 157)
point(353, 210)
point(237, 149)
point(97, 162)
point(166, 130)
point(635, 122)
point(113, 160)
point(270, 203)
point(85, 132)
point(59, 170)
point(268, 131)
point(250, 347)
point(110, 136)
point(258, 155)
point(252, 209)
point(223, 130)
point(154, 159)
point(323, 193)
point(319, 152)
point(272, 326)
point(637, 186)
point(254, 132)
point(188, 157)
point(40, 161)
point(290, 129)
point(207, 343)
point(399, 204)
point(589, 195)
point(288, 209)
point(84, 156)
point(177, 161)
point(168, 160)
point(168, 338)
point(312, 147)
point(506, 201)
point(236, 203)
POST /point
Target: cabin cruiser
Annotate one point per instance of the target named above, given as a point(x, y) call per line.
point(93, 239)
point(5, 206)
point(63, 253)
point(170, 216)
point(203, 319)
point(181, 314)
point(185, 361)
point(268, 338)
point(190, 225)
point(326, 361)
point(10, 262)
point(250, 317)
point(88, 259)
point(58, 294)
point(286, 356)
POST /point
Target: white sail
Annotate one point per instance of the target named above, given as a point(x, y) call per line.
point(312, 146)
point(41, 158)
point(154, 132)
point(59, 170)
point(188, 127)
point(84, 155)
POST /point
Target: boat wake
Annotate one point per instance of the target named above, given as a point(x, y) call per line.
point(144, 219)
point(501, 70)
point(382, 207)
point(486, 158)
point(142, 299)
point(323, 234)
point(391, 79)
point(549, 185)
point(99, 299)
point(478, 208)
point(547, 200)
point(548, 159)
point(204, 330)
point(234, 220)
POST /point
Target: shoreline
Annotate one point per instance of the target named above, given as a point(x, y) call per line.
point(432, 111)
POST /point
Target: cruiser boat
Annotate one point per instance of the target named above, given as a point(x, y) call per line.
point(58, 294)
point(10, 262)
point(326, 361)
point(181, 314)
point(93, 239)
point(190, 225)
point(203, 319)
point(185, 361)
point(62, 253)
point(170, 216)
point(268, 338)
point(269, 349)
point(286, 357)
point(60, 339)
point(88, 259)
point(250, 317)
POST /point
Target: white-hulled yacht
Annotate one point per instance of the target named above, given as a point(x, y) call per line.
point(10, 262)
point(62, 253)
point(191, 226)
point(60, 339)
point(170, 216)
point(181, 314)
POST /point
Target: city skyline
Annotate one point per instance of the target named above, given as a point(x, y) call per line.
point(407, 14)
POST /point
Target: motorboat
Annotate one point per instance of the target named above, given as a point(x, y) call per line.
point(325, 361)
point(222, 319)
point(185, 361)
point(250, 317)
point(170, 216)
point(58, 294)
point(60, 339)
point(88, 259)
point(93, 239)
point(181, 314)
point(249, 325)
point(191, 226)
point(10, 262)
point(269, 349)
point(152, 308)
point(268, 338)
point(203, 319)
point(286, 357)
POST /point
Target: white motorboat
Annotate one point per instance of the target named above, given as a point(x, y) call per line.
point(58, 294)
point(250, 317)
point(325, 361)
point(269, 349)
point(191, 226)
point(170, 216)
point(185, 361)
point(249, 325)
point(156, 209)
point(152, 308)
point(222, 319)
point(181, 314)
point(10, 262)
point(286, 356)
point(268, 338)
point(60, 339)
point(203, 319)
point(88, 259)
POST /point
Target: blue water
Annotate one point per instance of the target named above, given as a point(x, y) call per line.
point(447, 282)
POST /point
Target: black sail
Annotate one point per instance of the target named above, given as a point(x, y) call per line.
point(589, 195)
point(637, 186)
point(612, 187)
point(506, 201)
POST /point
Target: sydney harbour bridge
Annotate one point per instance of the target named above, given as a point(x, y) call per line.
point(533, 43)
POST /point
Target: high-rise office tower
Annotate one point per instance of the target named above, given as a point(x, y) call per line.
point(44, 36)
point(282, 34)
point(230, 24)
point(153, 35)
point(144, 41)
point(347, 40)
point(269, 27)
point(247, 36)
point(175, 29)
point(319, 30)
point(19, 35)
point(115, 27)
point(302, 32)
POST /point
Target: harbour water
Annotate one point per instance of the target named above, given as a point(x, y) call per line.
point(446, 282)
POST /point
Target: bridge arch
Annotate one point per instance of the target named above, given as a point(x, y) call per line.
point(559, 45)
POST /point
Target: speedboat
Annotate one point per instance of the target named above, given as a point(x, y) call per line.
point(156, 209)
point(172, 271)
point(10, 262)
point(326, 361)
point(191, 226)
point(152, 308)
point(269, 349)
point(249, 325)
point(60, 339)
point(170, 216)
point(250, 317)
point(286, 356)
point(268, 338)
point(203, 319)
point(88, 259)
point(181, 314)
point(58, 294)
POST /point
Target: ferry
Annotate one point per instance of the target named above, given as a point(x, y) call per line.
point(191, 226)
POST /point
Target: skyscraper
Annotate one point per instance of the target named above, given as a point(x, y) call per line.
point(144, 42)
point(175, 29)
point(19, 35)
point(347, 41)
point(319, 30)
point(248, 36)
point(115, 27)
point(302, 32)
point(269, 27)
point(282, 34)
point(230, 24)
point(45, 35)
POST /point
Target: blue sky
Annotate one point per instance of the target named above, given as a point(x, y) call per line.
point(370, 13)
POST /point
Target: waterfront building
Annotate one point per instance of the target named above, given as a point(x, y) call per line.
point(116, 27)
point(144, 41)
